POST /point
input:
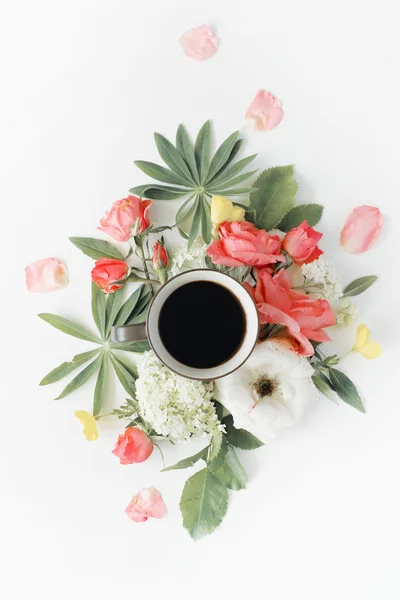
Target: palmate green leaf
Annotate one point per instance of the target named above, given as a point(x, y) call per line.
point(324, 386)
point(96, 249)
point(358, 286)
point(81, 378)
point(189, 461)
point(206, 224)
point(184, 213)
point(235, 191)
point(99, 309)
point(196, 222)
point(202, 150)
point(173, 159)
point(229, 173)
point(113, 306)
point(138, 346)
point(229, 184)
point(345, 389)
point(159, 192)
point(160, 173)
point(126, 374)
point(275, 196)
point(311, 213)
point(203, 504)
point(67, 367)
point(222, 155)
point(140, 307)
point(99, 390)
point(69, 327)
point(128, 306)
point(240, 438)
point(229, 469)
point(185, 148)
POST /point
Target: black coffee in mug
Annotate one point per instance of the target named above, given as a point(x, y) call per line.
point(202, 324)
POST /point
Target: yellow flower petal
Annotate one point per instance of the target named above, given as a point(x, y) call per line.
point(371, 350)
point(362, 337)
point(89, 425)
point(222, 210)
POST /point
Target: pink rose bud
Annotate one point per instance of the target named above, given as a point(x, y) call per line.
point(160, 261)
point(199, 43)
point(107, 272)
point(301, 244)
point(362, 228)
point(127, 217)
point(133, 446)
point(46, 275)
point(265, 112)
point(146, 503)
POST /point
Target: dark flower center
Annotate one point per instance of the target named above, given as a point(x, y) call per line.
point(264, 386)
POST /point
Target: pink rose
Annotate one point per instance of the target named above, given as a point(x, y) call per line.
point(107, 272)
point(146, 503)
point(199, 43)
point(160, 257)
point(362, 228)
point(46, 275)
point(127, 217)
point(242, 244)
point(301, 244)
point(133, 446)
point(303, 316)
point(265, 112)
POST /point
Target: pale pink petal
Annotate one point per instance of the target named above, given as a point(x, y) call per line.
point(46, 275)
point(362, 228)
point(199, 43)
point(265, 112)
point(146, 503)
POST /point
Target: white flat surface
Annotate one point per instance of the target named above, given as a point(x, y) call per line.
point(84, 85)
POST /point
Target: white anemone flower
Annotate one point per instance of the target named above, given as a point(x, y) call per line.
point(270, 392)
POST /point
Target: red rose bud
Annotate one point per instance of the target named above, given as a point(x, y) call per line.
point(110, 274)
point(133, 446)
point(160, 261)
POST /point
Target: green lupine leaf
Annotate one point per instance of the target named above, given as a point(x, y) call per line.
point(228, 173)
point(203, 504)
point(235, 191)
point(158, 192)
point(67, 367)
point(69, 327)
point(189, 461)
point(127, 308)
point(345, 389)
point(182, 216)
point(186, 150)
point(96, 249)
point(141, 305)
point(138, 319)
point(236, 147)
point(240, 438)
point(126, 374)
point(113, 306)
point(202, 150)
point(195, 223)
point(138, 346)
point(172, 158)
point(81, 378)
point(228, 184)
point(99, 309)
point(275, 196)
point(324, 386)
point(311, 213)
point(222, 155)
point(229, 470)
point(206, 225)
point(160, 173)
point(99, 390)
point(358, 286)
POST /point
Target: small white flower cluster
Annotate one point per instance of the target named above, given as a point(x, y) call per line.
point(345, 311)
point(174, 406)
point(185, 260)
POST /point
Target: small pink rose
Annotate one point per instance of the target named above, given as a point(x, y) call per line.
point(110, 274)
point(133, 446)
point(362, 228)
point(146, 503)
point(301, 244)
point(46, 275)
point(265, 112)
point(199, 43)
point(127, 217)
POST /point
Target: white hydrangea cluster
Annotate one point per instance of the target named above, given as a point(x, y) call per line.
point(184, 259)
point(345, 311)
point(174, 406)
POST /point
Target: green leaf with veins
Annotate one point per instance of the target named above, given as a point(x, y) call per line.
point(99, 308)
point(67, 367)
point(275, 196)
point(138, 346)
point(189, 461)
point(229, 469)
point(81, 378)
point(96, 248)
point(240, 438)
point(69, 327)
point(99, 390)
point(126, 374)
point(358, 286)
point(345, 389)
point(311, 213)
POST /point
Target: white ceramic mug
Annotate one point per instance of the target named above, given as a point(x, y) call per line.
point(150, 330)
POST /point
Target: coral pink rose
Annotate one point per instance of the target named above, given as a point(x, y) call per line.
point(199, 43)
point(303, 316)
point(107, 272)
point(146, 503)
point(160, 257)
point(133, 446)
point(46, 275)
point(127, 217)
point(242, 244)
point(301, 244)
point(362, 228)
point(265, 112)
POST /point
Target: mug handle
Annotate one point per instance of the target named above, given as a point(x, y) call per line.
point(129, 333)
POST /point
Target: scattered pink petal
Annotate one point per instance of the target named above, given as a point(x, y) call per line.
point(146, 503)
point(265, 112)
point(46, 275)
point(199, 43)
point(362, 228)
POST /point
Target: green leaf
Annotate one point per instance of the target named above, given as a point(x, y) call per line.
point(275, 196)
point(113, 306)
point(206, 225)
point(96, 248)
point(219, 409)
point(228, 173)
point(138, 346)
point(172, 158)
point(324, 386)
point(222, 155)
point(160, 173)
point(128, 307)
point(140, 307)
point(215, 189)
point(182, 216)
point(188, 462)
point(311, 213)
point(234, 191)
point(229, 470)
point(67, 367)
point(358, 286)
point(217, 449)
point(158, 192)
point(81, 378)
point(345, 389)
point(138, 319)
point(99, 309)
point(203, 504)
point(240, 438)
point(69, 327)
point(99, 390)
point(202, 150)
point(125, 373)
point(196, 222)
point(186, 150)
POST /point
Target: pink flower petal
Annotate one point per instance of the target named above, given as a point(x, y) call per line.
point(362, 228)
point(199, 43)
point(46, 275)
point(146, 503)
point(265, 112)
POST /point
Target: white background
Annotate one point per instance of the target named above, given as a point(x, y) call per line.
point(84, 85)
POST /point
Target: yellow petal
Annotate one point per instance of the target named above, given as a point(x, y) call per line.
point(362, 336)
point(222, 210)
point(371, 350)
point(89, 425)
